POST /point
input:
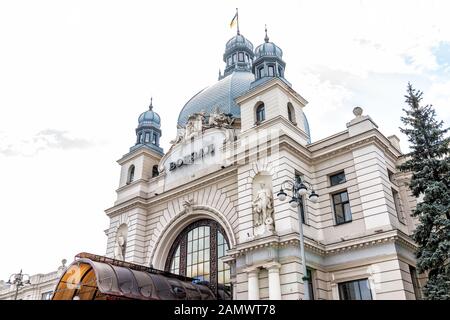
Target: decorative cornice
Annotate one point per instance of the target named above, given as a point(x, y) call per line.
point(266, 86)
point(392, 236)
point(369, 137)
point(192, 186)
point(145, 203)
point(136, 202)
point(137, 152)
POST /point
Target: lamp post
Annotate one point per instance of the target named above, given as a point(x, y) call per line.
point(20, 280)
point(299, 189)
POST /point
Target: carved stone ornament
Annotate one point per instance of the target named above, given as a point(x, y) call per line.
point(119, 247)
point(194, 125)
point(220, 119)
point(187, 205)
point(263, 211)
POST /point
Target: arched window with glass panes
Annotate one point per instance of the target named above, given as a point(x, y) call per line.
point(197, 252)
point(260, 113)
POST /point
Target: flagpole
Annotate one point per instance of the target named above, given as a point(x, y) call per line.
point(237, 20)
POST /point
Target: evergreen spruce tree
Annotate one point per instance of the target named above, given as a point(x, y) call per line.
point(429, 162)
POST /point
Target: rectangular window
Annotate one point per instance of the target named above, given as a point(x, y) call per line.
point(234, 57)
point(391, 176)
point(355, 290)
point(241, 56)
point(47, 295)
point(309, 273)
point(229, 61)
point(147, 137)
point(398, 206)
point(415, 283)
point(337, 178)
point(342, 207)
point(271, 70)
point(261, 72)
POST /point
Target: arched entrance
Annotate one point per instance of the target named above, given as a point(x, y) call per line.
point(197, 253)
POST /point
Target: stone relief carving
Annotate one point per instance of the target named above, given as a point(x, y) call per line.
point(196, 124)
point(220, 119)
point(263, 210)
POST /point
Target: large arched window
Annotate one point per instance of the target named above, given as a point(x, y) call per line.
point(260, 113)
point(197, 253)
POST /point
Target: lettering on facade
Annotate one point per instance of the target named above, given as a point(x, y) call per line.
point(192, 158)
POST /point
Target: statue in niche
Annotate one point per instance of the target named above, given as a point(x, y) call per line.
point(263, 208)
point(119, 248)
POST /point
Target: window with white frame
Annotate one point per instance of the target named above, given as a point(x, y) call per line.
point(47, 295)
point(355, 290)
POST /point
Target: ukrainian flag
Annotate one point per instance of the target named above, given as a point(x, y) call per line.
point(234, 20)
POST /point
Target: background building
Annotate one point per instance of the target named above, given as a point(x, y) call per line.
point(208, 207)
point(41, 286)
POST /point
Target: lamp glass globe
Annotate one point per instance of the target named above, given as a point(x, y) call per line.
point(293, 203)
point(303, 190)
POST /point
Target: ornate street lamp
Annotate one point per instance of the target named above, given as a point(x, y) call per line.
point(20, 280)
point(299, 189)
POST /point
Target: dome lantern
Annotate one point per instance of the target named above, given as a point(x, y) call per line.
point(148, 132)
point(268, 61)
point(238, 55)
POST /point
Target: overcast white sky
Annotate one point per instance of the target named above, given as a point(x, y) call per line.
point(75, 75)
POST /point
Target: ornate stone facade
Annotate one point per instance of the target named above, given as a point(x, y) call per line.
point(357, 232)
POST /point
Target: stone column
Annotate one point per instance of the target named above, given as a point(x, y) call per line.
point(253, 284)
point(274, 281)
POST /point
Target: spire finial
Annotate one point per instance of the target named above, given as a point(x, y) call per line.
point(266, 38)
point(237, 21)
point(151, 103)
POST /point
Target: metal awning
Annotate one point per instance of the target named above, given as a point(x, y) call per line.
point(93, 277)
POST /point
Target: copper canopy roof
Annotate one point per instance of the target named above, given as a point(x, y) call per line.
point(93, 277)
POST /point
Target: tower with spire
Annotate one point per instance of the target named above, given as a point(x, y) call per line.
point(268, 62)
point(148, 132)
point(140, 164)
point(238, 54)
